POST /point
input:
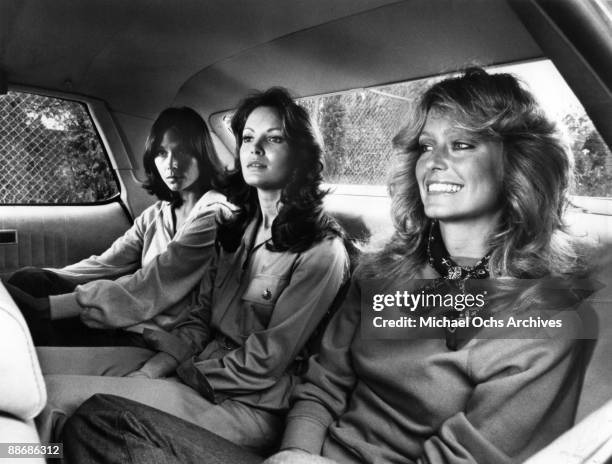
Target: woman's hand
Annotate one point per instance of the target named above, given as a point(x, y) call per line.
point(138, 374)
point(297, 456)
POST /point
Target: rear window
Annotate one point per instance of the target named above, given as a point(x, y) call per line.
point(358, 127)
point(51, 153)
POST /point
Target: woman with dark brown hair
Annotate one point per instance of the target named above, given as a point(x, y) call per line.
point(148, 277)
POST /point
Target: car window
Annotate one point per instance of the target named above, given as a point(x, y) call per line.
point(592, 157)
point(51, 153)
point(358, 127)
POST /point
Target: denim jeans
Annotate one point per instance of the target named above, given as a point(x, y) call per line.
point(110, 429)
point(41, 283)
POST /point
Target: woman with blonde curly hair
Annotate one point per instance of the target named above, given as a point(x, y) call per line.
point(528, 192)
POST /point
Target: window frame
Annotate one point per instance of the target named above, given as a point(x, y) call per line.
point(95, 109)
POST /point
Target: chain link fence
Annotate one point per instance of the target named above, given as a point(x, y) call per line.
point(50, 153)
point(358, 128)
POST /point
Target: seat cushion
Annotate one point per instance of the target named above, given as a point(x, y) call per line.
point(22, 388)
point(590, 441)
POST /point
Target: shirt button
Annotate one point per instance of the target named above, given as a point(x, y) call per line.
point(267, 294)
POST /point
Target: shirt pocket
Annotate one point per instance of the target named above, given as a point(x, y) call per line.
point(260, 298)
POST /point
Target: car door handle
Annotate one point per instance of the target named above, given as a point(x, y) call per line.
point(8, 236)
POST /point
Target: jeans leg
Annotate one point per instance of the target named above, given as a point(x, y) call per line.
point(111, 429)
point(65, 393)
point(249, 427)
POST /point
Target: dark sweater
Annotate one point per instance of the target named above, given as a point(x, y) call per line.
point(392, 401)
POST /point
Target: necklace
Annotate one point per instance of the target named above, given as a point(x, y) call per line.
point(440, 260)
point(453, 276)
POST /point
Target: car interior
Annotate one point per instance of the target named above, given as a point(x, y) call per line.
point(123, 62)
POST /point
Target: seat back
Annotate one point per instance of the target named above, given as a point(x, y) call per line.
point(22, 388)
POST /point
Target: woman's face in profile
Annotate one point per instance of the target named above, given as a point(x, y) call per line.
point(177, 167)
point(459, 175)
point(264, 152)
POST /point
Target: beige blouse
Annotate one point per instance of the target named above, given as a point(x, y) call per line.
point(149, 277)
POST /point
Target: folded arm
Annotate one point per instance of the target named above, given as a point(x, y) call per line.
point(163, 282)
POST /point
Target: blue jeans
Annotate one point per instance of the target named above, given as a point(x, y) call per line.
point(110, 429)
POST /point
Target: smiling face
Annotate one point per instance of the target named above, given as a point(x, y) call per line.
point(459, 175)
point(265, 152)
point(177, 167)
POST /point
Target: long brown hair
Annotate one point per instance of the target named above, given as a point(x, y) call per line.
point(301, 220)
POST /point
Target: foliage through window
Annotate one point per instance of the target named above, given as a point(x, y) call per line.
point(50, 153)
point(358, 128)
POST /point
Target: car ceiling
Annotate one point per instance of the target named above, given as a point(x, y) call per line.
point(140, 56)
point(136, 54)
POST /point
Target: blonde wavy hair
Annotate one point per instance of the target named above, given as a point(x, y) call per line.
point(531, 239)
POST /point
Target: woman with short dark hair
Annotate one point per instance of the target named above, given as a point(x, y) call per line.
point(281, 263)
point(148, 277)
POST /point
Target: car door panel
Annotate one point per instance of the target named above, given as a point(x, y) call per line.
point(54, 236)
